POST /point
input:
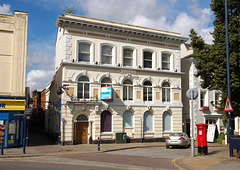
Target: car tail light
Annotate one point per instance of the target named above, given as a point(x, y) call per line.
point(167, 138)
point(181, 138)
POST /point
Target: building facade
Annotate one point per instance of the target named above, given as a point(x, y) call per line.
point(206, 106)
point(37, 121)
point(13, 53)
point(115, 78)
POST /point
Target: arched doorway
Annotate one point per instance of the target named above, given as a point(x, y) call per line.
point(81, 129)
point(106, 121)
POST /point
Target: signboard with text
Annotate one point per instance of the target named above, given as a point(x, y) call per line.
point(211, 133)
point(106, 93)
point(12, 104)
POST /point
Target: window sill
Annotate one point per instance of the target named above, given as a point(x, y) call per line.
point(149, 133)
point(106, 133)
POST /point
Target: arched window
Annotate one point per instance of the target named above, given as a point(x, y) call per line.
point(147, 91)
point(82, 118)
point(83, 88)
point(127, 119)
point(107, 54)
point(166, 92)
point(127, 90)
point(167, 121)
point(148, 122)
point(106, 82)
point(106, 121)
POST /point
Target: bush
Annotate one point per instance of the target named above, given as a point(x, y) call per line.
point(220, 138)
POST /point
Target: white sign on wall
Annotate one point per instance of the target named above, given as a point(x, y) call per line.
point(211, 133)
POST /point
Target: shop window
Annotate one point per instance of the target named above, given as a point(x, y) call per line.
point(14, 132)
point(127, 119)
point(148, 122)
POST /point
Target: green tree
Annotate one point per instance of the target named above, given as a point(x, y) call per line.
point(211, 60)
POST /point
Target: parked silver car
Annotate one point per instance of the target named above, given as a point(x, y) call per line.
point(178, 139)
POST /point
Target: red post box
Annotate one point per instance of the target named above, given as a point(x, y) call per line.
point(202, 138)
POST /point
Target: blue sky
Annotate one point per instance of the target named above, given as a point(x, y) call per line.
point(173, 15)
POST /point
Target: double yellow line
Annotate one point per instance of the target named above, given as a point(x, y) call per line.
point(173, 162)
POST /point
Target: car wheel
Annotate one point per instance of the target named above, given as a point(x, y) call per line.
point(167, 146)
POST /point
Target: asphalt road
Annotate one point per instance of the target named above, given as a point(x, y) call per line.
point(144, 158)
point(43, 165)
point(140, 158)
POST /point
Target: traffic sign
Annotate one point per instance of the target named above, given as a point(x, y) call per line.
point(190, 92)
point(228, 106)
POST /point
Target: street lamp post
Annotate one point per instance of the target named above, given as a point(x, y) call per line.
point(59, 92)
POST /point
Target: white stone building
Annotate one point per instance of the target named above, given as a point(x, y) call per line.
point(206, 108)
point(119, 78)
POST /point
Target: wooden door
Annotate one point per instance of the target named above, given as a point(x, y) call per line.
point(81, 132)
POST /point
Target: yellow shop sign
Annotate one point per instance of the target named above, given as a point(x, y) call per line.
point(12, 104)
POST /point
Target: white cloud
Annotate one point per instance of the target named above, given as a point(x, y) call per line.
point(123, 10)
point(5, 9)
point(38, 79)
point(40, 62)
point(182, 24)
point(40, 56)
point(153, 13)
point(160, 23)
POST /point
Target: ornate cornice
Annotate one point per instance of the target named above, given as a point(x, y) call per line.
point(90, 24)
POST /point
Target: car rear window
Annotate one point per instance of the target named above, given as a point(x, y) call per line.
point(176, 134)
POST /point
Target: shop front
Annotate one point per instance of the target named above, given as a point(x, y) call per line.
point(12, 116)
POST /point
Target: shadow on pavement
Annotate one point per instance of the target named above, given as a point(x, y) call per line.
point(38, 139)
point(214, 152)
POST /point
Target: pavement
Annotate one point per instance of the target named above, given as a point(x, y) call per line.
point(217, 157)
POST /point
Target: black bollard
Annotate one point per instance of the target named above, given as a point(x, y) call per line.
point(2, 147)
point(98, 144)
point(24, 136)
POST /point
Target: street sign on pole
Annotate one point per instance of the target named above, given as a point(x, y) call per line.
point(228, 106)
point(192, 94)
